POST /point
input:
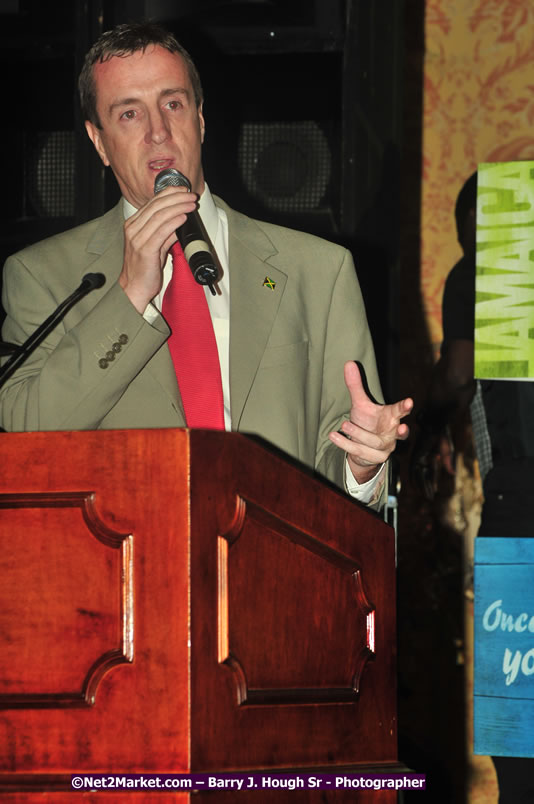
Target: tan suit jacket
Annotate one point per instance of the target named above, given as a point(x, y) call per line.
point(287, 345)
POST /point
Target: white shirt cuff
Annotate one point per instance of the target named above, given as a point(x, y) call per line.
point(367, 492)
point(151, 313)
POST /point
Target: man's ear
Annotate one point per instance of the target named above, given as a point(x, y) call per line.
point(201, 122)
point(94, 135)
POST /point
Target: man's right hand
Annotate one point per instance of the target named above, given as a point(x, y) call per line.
point(148, 236)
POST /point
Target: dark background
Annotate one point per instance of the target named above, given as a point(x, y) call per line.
point(313, 113)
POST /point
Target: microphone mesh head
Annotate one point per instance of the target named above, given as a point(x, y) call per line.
point(94, 280)
point(170, 178)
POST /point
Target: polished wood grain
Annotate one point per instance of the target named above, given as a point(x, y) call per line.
point(182, 601)
point(297, 617)
point(40, 664)
point(67, 592)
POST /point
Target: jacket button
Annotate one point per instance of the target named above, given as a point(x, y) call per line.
point(116, 347)
point(110, 355)
point(123, 339)
point(103, 363)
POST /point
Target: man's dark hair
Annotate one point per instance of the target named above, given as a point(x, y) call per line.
point(123, 40)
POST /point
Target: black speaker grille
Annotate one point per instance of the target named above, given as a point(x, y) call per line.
point(285, 165)
point(49, 174)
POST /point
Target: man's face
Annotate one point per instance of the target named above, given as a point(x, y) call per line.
point(149, 120)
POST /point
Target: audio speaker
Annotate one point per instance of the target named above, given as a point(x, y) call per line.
point(49, 164)
point(287, 166)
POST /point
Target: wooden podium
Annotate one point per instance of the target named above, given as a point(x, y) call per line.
point(175, 601)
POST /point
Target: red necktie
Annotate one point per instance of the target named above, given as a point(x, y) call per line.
point(193, 347)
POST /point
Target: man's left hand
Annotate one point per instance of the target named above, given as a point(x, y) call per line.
point(372, 431)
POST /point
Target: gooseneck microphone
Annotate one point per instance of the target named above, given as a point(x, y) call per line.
point(20, 353)
point(191, 235)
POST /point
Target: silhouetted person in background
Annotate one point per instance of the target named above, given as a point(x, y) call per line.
point(503, 429)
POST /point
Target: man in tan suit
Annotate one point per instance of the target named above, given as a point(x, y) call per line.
point(288, 318)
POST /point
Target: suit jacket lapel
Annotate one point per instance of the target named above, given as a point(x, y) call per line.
point(253, 303)
point(108, 243)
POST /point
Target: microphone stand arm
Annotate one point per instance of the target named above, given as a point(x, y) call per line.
point(21, 353)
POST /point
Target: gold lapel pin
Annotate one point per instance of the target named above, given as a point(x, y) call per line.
point(268, 283)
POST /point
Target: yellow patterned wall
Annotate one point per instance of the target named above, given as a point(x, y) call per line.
point(478, 107)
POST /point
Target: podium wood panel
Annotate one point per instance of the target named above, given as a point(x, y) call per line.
point(180, 601)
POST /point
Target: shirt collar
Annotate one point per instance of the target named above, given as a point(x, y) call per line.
point(206, 208)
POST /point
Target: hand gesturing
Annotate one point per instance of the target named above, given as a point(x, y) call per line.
point(372, 431)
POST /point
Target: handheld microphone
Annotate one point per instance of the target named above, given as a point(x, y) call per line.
point(191, 235)
point(20, 353)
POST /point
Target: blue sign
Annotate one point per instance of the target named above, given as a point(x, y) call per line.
point(504, 647)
